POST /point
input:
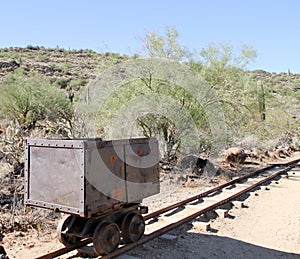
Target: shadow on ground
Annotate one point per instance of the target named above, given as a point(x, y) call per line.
point(192, 245)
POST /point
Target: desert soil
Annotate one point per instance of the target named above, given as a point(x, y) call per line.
point(268, 227)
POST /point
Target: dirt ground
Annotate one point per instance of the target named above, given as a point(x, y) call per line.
point(268, 227)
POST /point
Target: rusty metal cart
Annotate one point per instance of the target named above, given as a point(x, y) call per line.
point(99, 185)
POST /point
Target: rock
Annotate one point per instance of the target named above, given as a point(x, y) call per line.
point(253, 154)
point(203, 226)
point(199, 165)
point(169, 238)
point(3, 254)
point(9, 66)
point(191, 162)
point(18, 168)
point(271, 154)
point(283, 151)
point(235, 155)
point(9, 158)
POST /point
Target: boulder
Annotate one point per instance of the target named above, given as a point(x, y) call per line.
point(198, 165)
point(235, 155)
point(10, 66)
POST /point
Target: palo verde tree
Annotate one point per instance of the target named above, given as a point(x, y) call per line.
point(166, 46)
point(164, 80)
point(220, 69)
point(223, 67)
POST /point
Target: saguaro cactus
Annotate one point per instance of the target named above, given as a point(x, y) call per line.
point(261, 100)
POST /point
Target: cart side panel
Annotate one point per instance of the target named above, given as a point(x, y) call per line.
point(55, 176)
point(142, 168)
point(105, 174)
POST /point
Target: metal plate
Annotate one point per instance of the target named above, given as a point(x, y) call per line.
point(64, 143)
point(142, 170)
point(105, 176)
point(55, 177)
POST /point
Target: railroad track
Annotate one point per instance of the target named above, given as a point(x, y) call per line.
point(166, 219)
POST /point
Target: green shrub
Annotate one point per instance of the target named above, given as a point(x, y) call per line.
point(27, 100)
point(78, 82)
point(15, 56)
point(61, 82)
point(296, 143)
point(30, 55)
point(43, 58)
point(65, 68)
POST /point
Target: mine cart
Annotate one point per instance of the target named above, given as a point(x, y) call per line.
point(99, 185)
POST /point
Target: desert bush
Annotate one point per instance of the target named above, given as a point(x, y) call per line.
point(61, 82)
point(28, 99)
point(78, 82)
point(43, 58)
point(65, 68)
point(296, 142)
point(30, 55)
point(15, 56)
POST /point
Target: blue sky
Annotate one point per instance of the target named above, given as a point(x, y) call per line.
point(271, 27)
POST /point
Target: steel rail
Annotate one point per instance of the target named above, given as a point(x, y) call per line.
point(217, 188)
point(206, 193)
point(163, 230)
point(65, 250)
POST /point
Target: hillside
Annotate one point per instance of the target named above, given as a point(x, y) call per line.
point(75, 68)
point(69, 68)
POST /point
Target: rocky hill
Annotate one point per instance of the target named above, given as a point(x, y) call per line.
point(71, 70)
point(74, 68)
point(285, 80)
point(68, 68)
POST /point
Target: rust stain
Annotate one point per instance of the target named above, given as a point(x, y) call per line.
point(139, 152)
point(112, 159)
point(117, 192)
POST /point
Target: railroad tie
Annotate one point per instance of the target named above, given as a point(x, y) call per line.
point(238, 204)
point(169, 238)
point(222, 213)
point(203, 226)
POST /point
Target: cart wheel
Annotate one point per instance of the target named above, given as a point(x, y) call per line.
point(133, 227)
point(106, 237)
point(62, 227)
